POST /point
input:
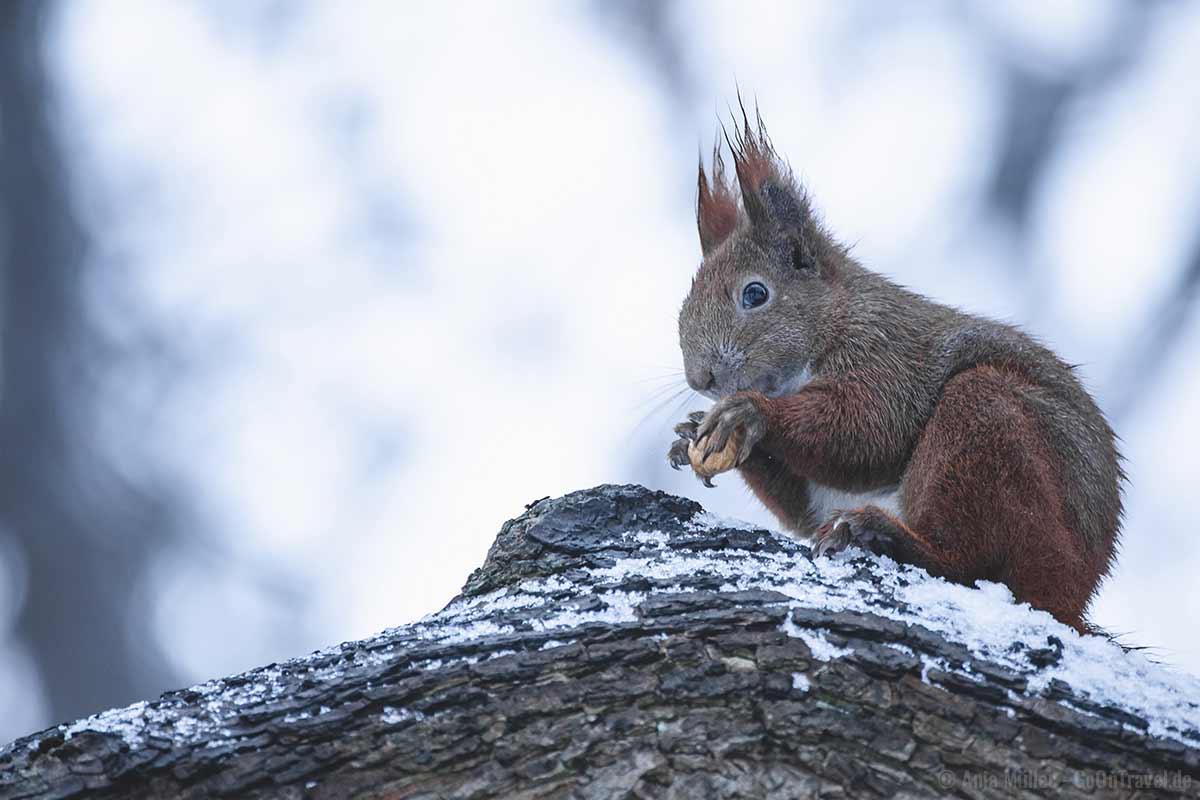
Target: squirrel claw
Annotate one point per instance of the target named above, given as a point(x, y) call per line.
point(677, 456)
point(739, 414)
point(860, 528)
point(831, 538)
point(688, 430)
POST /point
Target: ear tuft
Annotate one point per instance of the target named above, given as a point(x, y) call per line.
point(770, 197)
point(754, 157)
point(716, 206)
point(754, 161)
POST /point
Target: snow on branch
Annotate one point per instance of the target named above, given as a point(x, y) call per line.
point(618, 639)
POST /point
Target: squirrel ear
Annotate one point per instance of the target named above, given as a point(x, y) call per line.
point(716, 207)
point(787, 206)
point(800, 255)
point(756, 164)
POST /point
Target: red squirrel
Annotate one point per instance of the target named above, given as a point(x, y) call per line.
point(865, 414)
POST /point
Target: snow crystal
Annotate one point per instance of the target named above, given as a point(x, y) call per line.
point(536, 586)
point(394, 716)
point(454, 634)
point(656, 538)
point(550, 644)
point(707, 521)
point(800, 681)
point(222, 741)
point(129, 723)
point(619, 608)
point(499, 600)
point(932, 662)
point(903, 648)
point(822, 649)
point(668, 566)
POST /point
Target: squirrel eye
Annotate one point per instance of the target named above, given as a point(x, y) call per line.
point(754, 295)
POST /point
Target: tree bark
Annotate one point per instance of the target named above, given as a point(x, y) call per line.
point(618, 642)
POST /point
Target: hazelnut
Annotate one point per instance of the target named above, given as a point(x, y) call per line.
point(718, 461)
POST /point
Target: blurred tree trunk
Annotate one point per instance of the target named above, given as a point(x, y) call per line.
point(83, 533)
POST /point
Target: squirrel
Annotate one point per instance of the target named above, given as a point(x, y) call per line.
point(861, 413)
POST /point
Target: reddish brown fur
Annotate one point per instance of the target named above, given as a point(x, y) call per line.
point(985, 489)
point(982, 491)
point(776, 485)
point(716, 207)
point(754, 158)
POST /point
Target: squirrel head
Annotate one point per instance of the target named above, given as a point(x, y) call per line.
point(756, 307)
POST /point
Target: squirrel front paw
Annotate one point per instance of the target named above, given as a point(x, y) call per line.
point(689, 450)
point(719, 440)
point(677, 456)
point(737, 417)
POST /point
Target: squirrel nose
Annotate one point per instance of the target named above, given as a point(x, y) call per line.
point(701, 379)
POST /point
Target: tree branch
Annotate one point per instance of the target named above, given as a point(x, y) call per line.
point(621, 642)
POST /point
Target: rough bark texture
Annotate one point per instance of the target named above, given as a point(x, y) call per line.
point(610, 647)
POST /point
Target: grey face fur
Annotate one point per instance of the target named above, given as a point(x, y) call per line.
point(761, 230)
point(728, 348)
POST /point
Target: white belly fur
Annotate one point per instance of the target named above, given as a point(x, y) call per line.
point(824, 501)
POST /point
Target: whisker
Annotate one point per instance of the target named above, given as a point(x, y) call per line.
point(658, 378)
point(676, 413)
point(655, 388)
point(681, 399)
point(659, 403)
point(656, 411)
point(673, 388)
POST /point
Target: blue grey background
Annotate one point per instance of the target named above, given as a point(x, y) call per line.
point(351, 284)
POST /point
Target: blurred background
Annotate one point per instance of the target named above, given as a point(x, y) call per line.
point(299, 302)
